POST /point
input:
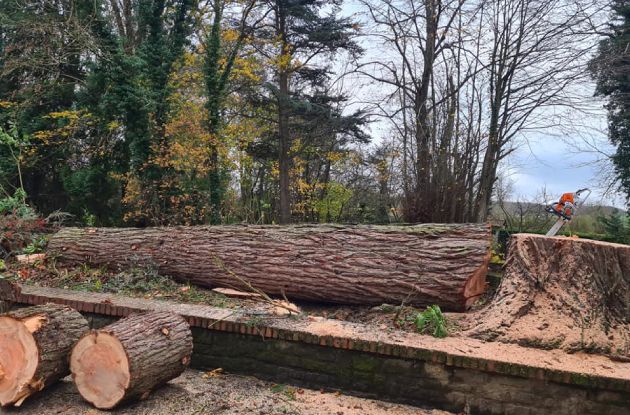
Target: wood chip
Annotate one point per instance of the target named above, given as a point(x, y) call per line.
point(213, 373)
point(30, 259)
point(229, 292)
point(285, 308)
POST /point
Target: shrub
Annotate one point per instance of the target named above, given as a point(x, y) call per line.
point(432, 321)
point(16, 205)
point(21, 228)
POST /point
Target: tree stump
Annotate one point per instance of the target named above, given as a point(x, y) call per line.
point(443, 264)
point(130, 357)
point(560, 293)
point(35, 343)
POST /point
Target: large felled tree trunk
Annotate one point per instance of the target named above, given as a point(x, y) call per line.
point(35, 344)
point(564, 293)
point(422, 264)
point(130, 357)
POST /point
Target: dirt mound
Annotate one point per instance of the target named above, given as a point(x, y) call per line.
point(572, 294)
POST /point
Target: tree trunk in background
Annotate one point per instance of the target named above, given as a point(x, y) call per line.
point(422, 264)
point(284, 161)
point(215, 92)
point(136, 353)
point(284, 140)
point(35, 343)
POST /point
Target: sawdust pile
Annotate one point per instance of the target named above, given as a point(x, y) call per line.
point(560, 293)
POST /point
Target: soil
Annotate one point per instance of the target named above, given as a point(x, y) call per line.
point(217, 393)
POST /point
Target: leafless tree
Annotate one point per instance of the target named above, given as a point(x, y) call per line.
point(466, 80)
point(540, 48)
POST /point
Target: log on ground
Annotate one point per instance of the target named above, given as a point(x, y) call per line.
point(35, 344)
point(420, 264)
point(130, 357)
point(571, 294)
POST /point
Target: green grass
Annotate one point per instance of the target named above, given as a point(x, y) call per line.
point(135, 282)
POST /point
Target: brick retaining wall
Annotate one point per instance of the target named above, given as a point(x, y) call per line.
point(453, 373)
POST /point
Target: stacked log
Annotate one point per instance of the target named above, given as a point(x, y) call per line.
point(419, 264)
point(35, 343)
point(130, 357)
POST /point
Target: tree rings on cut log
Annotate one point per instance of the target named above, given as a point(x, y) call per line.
point(34, 346)
point(131, 357)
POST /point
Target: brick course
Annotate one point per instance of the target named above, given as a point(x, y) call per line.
point(402, 367)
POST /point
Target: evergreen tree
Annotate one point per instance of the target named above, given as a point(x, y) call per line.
point(130, 87)
point(41, 69)
point(299, 35)
point(611, 68)
point(616, 227)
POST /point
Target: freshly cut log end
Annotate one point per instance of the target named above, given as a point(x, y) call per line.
point(34, 346)
point(101, 369)
point(131, 357)
point(443, 264)
point(18, 360)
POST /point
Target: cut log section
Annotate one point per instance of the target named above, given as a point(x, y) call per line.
point(420, 264)
point(35, 344)
point(571, 294)
point(130, 357)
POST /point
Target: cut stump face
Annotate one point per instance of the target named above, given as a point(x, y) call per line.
point(100, 369)
point(18, 358)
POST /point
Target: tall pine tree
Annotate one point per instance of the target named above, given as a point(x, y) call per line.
point(302, 37)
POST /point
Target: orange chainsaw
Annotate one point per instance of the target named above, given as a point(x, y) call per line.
point(566, 208)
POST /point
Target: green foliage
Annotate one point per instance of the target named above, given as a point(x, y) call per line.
point(497, 258)
point(92, 194)
point(617, 228)
point(610, 68)
point(21, 228)
point(12, 138)
point(16, 205)
point(37, 245)
point(432, 321)
point(330, 207)
point(15, 143)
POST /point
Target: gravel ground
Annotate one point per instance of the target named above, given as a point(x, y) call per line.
point(200, 393)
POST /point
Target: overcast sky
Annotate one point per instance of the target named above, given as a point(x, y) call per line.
point(551, 158)
point(551, 163)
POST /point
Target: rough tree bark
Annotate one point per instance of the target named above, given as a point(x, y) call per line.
point(564, 293)
point(35, 343)
point(130, 357)
point(422, 264)
point(9, 292)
